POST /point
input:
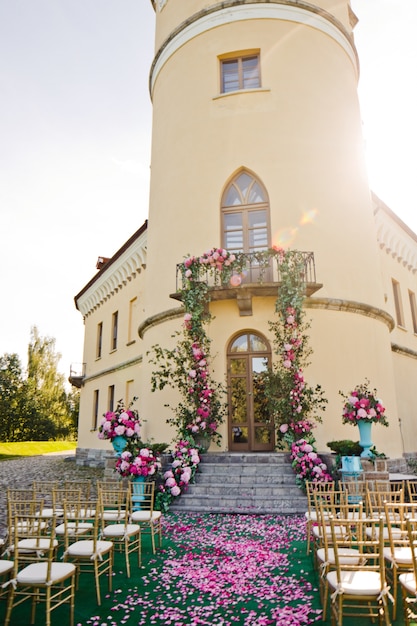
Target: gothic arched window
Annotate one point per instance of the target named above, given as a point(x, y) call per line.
point(245, 215)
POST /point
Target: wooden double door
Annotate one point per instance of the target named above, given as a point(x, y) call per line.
point(250, 426)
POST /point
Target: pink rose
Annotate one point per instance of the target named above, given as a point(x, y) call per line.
point(175, 491)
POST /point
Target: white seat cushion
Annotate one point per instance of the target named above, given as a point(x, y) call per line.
point(347, 556)
point(121, 530)
point(51, 512)
point(35, 573)
point(366, 583)
point(34, 545)
point(85, 548)
point(113, 516)
point(5, 566)
point(145, 516)
point(402, 555)
point(408, 582)
point(74, 529)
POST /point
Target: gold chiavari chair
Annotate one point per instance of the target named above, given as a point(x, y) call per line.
point(397, 552)
point(411, 489)
point(91, 554)
point(142, 497)
point(115, 509)
point(325, 556)
point(29, 534)
point(43, 580)
point(83, 485)
point(59, 496)
point(311, 515)
point(376, 498)
point(357, 584)
point(408, 580)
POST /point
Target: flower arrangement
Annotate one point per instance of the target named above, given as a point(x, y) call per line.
point(294, 430)
point(123, 422)
point(137, 462)
point(307, 464)
point(176, 480)
point(363, 404)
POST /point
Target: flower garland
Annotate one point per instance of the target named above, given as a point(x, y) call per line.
point(176, 480)
point(363, 404)
point(307, 464)
point(290, 399)
point(295, 405)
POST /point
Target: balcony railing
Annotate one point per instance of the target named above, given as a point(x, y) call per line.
point(77, 374)
point(253, 274)
point(258, 268)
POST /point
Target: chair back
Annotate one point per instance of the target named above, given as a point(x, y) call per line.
point(114, 504)
point(411, 528)
point(142, 496)
point(80, 521)
point(411, 489)
point(367, 537)
point(375, 500)
point(32, 539)
point(84, 486)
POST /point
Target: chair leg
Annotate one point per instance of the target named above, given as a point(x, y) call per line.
point(127, 557)
point(97, 579)
point(10, 601)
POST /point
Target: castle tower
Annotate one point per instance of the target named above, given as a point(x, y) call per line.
point(257, 141)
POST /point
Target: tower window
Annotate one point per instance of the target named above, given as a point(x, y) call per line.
point(114, 325)
point(398, 303)
point(240, 73)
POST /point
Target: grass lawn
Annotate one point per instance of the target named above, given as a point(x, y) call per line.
point(16, 449)
point(214, 570)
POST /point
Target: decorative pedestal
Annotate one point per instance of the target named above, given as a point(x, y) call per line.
point(352, 474)
point(365, 440)
point(138, 487)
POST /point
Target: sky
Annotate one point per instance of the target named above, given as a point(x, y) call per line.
point(75, 133)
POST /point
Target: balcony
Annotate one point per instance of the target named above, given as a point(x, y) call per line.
point(256, 274)
point(77, 374)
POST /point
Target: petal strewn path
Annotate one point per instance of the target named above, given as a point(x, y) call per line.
point(221, 570)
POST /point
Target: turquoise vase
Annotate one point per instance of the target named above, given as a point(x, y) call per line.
point(119, 443)
point(138, 492)
point(203, 442)
point(365, 440)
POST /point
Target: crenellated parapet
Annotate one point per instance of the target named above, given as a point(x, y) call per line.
point(123, 267)
point(395, 237)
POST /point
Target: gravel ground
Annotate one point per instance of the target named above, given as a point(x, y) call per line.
point(20, 473)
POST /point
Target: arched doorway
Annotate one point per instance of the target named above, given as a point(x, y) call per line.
point(250, 426)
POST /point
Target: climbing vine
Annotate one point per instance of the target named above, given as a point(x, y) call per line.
point(293, 404)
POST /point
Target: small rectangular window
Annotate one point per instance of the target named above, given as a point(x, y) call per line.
point(398, 303)
point(110, 402)
point(413, 308)
point(129, 391)
point(99, 340)
point(114, 324)
point(240, 73)
point(95, 409)
point(131, 330)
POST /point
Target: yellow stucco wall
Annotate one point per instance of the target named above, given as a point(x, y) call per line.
point(300, 134)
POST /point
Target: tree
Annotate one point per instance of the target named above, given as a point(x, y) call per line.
point(36, 407)
point(12, 392)
point(47, 387)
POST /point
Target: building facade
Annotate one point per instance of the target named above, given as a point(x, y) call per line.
point(257, 142)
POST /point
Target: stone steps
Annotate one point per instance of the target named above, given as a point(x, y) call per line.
point(261, 483)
